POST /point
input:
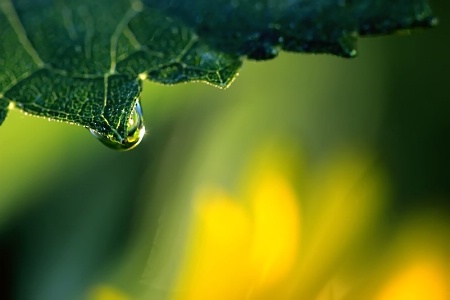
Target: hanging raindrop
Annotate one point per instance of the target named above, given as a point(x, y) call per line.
point(135, 132)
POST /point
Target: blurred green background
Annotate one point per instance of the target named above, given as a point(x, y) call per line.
point(76, 216)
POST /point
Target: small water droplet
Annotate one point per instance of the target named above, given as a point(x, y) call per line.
point(135, 132)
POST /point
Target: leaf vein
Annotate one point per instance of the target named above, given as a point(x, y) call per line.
point(129, 15)
point(16, 24)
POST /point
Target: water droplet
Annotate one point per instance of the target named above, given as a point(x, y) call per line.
point(135, 132)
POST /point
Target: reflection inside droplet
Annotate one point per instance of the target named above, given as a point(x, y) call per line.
point(135, 132)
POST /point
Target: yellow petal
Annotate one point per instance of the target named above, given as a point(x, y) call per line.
point(276, 233)
point(216, 263)
point(105, 292)
point(422, 280)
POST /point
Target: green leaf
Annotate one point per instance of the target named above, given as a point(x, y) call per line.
point(83, 61)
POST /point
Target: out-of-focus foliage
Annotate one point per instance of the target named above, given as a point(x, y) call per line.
point(339, 187)
point(83, 62)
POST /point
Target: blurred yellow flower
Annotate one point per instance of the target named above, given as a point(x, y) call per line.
point(268, 242)
point(242, 248)
point(106, 292)
point(419, 264)
point(288, 230)
point(422, 280)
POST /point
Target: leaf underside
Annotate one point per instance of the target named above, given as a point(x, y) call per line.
point(83, 62)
